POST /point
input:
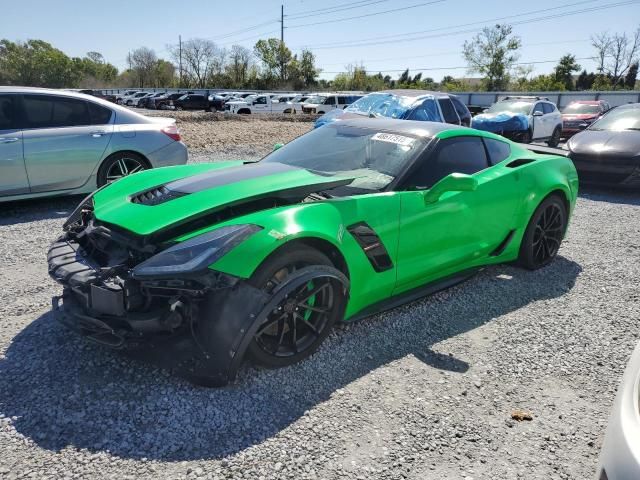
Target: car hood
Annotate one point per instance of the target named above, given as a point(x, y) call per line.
point(498, 122)
point(154, 200)
point(580, 116)
point(623, 142)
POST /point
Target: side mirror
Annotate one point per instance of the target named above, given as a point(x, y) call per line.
point(456, 182)
point(537, 113)
point(276, 146)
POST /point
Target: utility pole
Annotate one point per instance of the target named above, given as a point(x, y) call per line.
point(282, 42)
point(180, 56)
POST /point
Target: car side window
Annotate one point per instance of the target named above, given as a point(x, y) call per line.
point(98, 114)
point(498, 151)
point(330, 101)
point(461, 109)
point(261, 100)
point(342, 101)
point(538, 108)
point(44, 111)
point(547, 108)
point(426, 112)
point(448, 111)
point(9, 115)
point(454, 155)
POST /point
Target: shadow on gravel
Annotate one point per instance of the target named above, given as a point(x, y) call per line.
point(26, 211)
point(64, 392)
point(610, 195)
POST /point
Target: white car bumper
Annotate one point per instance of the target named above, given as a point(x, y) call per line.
point(620, 455)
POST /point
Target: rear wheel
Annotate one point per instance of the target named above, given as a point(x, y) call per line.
point(213, 109)
point(544, 233)
point(555, 137)
point(120, 165)
point(303, 319)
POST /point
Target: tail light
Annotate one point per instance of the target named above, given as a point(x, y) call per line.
point(172, 132)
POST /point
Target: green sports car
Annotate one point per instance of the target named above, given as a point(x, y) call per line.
point(200, 266)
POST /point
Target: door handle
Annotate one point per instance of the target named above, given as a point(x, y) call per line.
point(9, 139)
point(98, 133)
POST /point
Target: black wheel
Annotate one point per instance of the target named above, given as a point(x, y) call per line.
point(213, 109)
point(555, 138)
point(120, 165)
point(299, 324)
point(544, 233)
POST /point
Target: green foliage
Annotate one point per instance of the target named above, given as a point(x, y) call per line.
point(38, 64)
point(564, 71)
point(493, 53)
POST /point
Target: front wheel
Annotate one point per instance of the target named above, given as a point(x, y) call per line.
point(555, 137)
point(544, 233)
point(120, 165)
point(213, 109)
point(302, 320)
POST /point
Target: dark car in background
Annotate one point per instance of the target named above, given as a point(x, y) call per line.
point(608, 151)
point(193, 101)
point(98, 94)
point(215, 102)
point(144, 101)
point(163, 102)
point(580, 114)
point(411, 104)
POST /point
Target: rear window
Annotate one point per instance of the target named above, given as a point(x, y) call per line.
point(498, 151)
point(449, 113)
point(99, 114)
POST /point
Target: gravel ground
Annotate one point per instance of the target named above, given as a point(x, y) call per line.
point(423, 391)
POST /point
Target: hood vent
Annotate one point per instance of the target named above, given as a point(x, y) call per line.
point(156, 196)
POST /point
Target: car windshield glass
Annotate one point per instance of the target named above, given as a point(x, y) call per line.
point(619, 119)
point(314, 100)
point(513, 106)
point(382, 104)
point(372, 157)
point(579, 108)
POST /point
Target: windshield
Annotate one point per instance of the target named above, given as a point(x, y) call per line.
point(619, 119)
point(513, 106)
point(580, 108)
point(373, 158)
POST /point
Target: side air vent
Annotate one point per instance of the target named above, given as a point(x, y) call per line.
point(156, 196)
point(520, 162)
point(372, 246)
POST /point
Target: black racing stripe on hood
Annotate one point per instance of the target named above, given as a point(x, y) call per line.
point(226, 176)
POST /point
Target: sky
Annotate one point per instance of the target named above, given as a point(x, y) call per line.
point(383, 35)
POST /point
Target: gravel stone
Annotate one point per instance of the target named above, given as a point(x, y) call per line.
point(423, 391)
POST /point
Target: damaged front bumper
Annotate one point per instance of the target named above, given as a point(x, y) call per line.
point(194, 327)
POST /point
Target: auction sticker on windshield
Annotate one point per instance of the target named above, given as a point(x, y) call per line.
point(392, 138)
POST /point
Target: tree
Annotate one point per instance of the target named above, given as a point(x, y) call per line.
point(565, 69)
point(275, 58)
point(493, 53)
point(143, 63)
point(36, 63)
point(616, 54)
point(200, 58)
point(307, 68)
point(238, 67)
point(632, 75)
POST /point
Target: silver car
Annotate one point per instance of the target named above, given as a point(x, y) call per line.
point(620, 455)
point(56, 143)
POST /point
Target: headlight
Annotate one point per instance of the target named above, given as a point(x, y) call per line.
point(195, 254)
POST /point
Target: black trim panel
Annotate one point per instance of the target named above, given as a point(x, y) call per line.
point(372, 246)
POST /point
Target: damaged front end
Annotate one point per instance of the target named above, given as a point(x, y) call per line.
point(152, 300)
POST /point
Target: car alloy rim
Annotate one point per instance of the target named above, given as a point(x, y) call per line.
point(548, 234)
point(299, 319)
point(122, 167)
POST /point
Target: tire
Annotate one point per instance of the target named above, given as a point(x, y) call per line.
point(120, 165)
point(179, 109)
point(213, 109)
point(544, 233)
point(273, 344)
point(555, 137)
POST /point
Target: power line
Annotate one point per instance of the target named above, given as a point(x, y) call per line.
point(368, 14)
point(456, 67)
point(334, 9)
point(459, 32)
point(442, 54)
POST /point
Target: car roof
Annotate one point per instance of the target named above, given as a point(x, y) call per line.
point(629, 105)
point(410, 127)
point(588, 102)
point(410, 92)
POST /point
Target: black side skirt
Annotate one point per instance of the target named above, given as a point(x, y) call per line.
point(414, 294)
